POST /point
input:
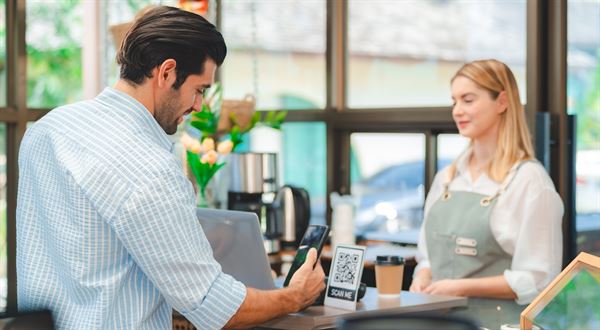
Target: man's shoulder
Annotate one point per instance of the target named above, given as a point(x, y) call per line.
point(67, 119)
point(71, 110)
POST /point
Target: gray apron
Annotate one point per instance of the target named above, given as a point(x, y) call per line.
point(460, 244)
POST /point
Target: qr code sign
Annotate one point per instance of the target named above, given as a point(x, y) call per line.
point(344, 277)
point(346, 268)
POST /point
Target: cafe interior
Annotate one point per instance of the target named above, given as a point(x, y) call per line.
point(340, 114)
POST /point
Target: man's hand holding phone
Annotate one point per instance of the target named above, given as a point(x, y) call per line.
point(302, 287)
point(308, 282)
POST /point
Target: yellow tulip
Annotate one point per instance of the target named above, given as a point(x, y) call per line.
point(225, 147)
point(195, 146)
point(186, 141)
point(209, 157)
point(208, 144)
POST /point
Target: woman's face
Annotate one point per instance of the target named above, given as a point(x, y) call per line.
point(475, 112)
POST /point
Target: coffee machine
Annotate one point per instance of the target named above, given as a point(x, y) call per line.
point(253, 188)
point(283, 212)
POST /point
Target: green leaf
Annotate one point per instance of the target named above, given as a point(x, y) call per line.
point(281, 116)
point(255, 119)
point(236, 136)
point(233, 118)
point(194, 162)
point(204, 127)
point(219, 166)
point(203, 172)
point(202, 115)
point(269, 117)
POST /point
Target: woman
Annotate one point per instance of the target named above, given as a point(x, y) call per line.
point(492, 228)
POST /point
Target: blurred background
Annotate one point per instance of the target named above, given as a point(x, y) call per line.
point(366, 84)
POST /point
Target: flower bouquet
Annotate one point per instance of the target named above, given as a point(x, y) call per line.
point(219, 128)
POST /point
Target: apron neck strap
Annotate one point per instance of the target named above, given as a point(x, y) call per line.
point(509, 178)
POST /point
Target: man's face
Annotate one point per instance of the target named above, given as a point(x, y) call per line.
point(176, 103)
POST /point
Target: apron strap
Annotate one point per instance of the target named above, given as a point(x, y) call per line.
point(487, 200)
point(509, 178)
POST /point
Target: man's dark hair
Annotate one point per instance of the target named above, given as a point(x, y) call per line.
point(169, 33)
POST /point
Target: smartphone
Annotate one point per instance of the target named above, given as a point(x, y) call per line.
point(314, 237)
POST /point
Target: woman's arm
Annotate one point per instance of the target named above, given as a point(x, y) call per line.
point(484, 287)
point(422, 275)
point(537, 254)
point(421, 280)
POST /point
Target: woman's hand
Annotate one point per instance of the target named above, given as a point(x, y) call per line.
point(446, 288)
point(421, 281)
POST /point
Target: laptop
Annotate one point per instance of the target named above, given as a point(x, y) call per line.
point(237, 245)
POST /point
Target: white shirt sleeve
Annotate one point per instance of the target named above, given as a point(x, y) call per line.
point(434, 194)
point(530, 230)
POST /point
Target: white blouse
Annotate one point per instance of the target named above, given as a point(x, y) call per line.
point(526, 221)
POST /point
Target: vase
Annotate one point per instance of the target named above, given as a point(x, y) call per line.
point(204, 198)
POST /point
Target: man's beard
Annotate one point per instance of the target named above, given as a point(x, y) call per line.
point(165, 113)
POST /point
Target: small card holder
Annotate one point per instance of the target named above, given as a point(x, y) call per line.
point(344, 277)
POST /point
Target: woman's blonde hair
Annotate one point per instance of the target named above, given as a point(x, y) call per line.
point(514, 140)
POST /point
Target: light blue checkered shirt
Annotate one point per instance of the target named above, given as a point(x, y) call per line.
point(107, 235)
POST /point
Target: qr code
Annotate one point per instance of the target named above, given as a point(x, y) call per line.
point(346, 268)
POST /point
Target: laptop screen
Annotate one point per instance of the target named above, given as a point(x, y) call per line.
point(237, 245)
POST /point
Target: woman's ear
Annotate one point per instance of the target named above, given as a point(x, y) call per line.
point(502, 102)
point(167, 73)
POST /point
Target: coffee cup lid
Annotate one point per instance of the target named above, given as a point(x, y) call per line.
point(389, 260)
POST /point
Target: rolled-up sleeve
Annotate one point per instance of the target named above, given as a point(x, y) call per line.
point(223, 299)
point(158, 227)
point(538, 250)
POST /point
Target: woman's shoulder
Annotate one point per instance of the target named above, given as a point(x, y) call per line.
point(533, 175)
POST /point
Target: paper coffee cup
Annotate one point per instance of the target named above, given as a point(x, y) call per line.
point(388, 275)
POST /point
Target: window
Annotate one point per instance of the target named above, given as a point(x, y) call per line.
point(301, 149)
point(583, 99)
point(2, 53)
point(276, 51)
point(450, 146)
point(3, 256)
point(54, 37)
point(388, 173)
point(403, 53)
point(3, 89)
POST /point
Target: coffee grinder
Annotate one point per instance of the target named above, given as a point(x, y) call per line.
point(253, 188)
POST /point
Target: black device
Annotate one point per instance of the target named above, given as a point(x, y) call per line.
point(314, 237)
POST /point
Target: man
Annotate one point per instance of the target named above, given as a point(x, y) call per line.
point(107, 235)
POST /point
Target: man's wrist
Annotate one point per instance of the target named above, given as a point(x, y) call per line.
point(293, 296)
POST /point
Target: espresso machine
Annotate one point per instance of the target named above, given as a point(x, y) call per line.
point(283, 212)
point(253, 188)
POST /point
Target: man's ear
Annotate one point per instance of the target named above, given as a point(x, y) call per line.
point(167, 74)
point(502, 101)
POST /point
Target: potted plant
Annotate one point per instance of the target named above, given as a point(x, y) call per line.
point(218, 129)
